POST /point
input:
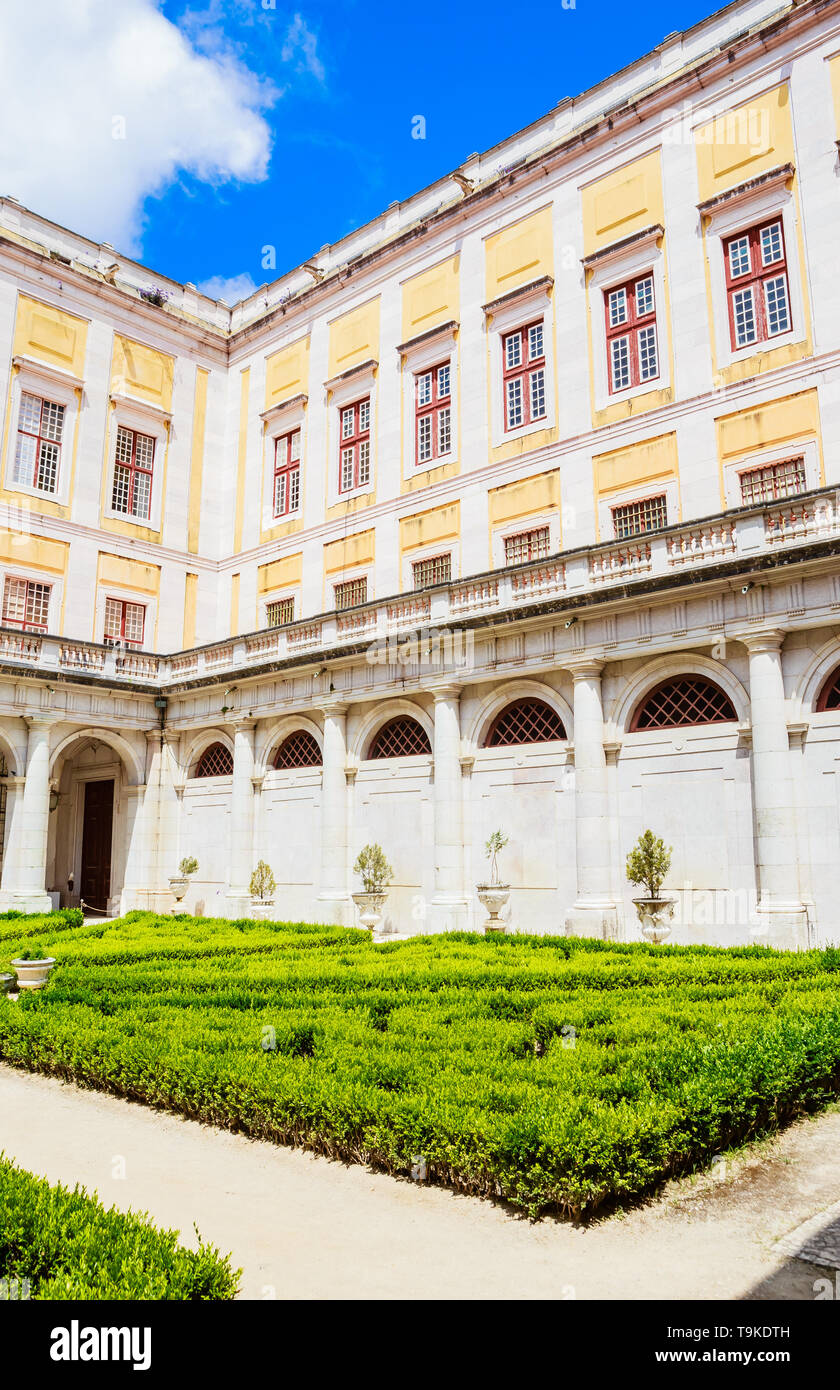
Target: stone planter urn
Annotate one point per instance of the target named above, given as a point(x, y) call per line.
point(370, 907)
point(655, 916)
point(33, 974)
point(179, 884)
point(493, 896)
point(261, 907)
point(7, 981)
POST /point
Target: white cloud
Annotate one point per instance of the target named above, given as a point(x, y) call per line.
point(96, 69)
point(230, 288)
point(301, 44)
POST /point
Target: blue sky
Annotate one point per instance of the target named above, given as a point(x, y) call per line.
point(191, 133)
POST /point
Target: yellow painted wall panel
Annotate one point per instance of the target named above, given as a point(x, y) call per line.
point(280, 574)
point(528, 497)
point(749, 431)
point(129, 574)
point(35, 552)
point(239, 516)
point(428, 528)
point(234, 605)
point(622, 203)
point(138, 370)
point(350, 552)
point(197, 460)
point(354, 338)
point(519, 254)
point(430, 299)
point(742, 143)
point(834, 75)
point(190, 599)
point(636, 464)
point(287, 373)
point(50, 335)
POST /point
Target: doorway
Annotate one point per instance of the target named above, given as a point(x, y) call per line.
point(97, 832)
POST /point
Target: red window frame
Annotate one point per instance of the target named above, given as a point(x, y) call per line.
point(349, 593)
point(829, 696)
point(279, 611)
point(639, 517)
point(631, 327)
point(523, 366)
point(525, 546)
point(287, 472)
point(356, 443)
point(436, 410)
point(755, 278)
point(47, 460)
point(111, 638)
point(33, 602)
point(770, 482)
point(139, 475)
point(435, 569)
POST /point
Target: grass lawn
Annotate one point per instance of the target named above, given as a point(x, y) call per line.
point(554, 1072)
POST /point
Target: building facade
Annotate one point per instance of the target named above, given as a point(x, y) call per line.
point(516, 508)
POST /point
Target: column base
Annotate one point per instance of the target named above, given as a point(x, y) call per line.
point(25, 901)
point(336, 909)
point(598, 919)
point(157, 900)
point(449, 912)
point(781, 925)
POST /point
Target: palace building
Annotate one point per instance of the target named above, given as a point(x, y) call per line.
point(515, 509)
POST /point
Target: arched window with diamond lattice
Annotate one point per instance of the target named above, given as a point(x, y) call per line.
point(683, 701)
point(402, 737)
point(525, 721)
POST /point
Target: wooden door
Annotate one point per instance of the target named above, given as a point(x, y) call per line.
point(96, 843)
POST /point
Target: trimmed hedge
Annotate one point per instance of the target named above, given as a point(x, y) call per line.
point(66, 1245)
point(552, 1071)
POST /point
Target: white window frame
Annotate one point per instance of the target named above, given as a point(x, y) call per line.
point(808, 451)
point(32, 576)
point(655, 487)
point(344, 391)
point(147, 419)
point(281, 420)
point(106, 591)
point(524, 309)
point(773, 201)
point(517, 527)
point(52, 384)
point(610, 271)
point(433, 351)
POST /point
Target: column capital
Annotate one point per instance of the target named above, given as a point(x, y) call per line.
point(248, 721)
point(767, 639)
point(584, 667)
point(41, 721)
point(328, 707)
point(445, 692)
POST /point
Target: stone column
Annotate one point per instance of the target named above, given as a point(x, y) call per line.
point(25, 863)
point(595, 911)
point(242, 818)
point(151, 855)
point(449, 906)
point(334, 897)
point(782, 916)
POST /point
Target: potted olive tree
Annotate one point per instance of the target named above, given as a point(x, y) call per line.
point(180, 882)
point(494, 894)
point(263, 887)
point(648, 863)
point(376, 874)
point(33, 967)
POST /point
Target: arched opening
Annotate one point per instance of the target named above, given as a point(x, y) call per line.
point(401, 737)
point(298, 749)
point(682, 701)
point(88, 828)
point(525, 721)
point(829, 696)
point(215, 761)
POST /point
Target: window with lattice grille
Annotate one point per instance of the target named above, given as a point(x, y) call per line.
point(683, 701)
point(124, 622)
point(133, 468)
point(773, 481)
point(527, 545)
point(26, 604)
point(299, 749)
point(829, 696)
point(279, 611)
point(525, 721)
point(38, 449)
point(215, 761)
point(401, 737)
point(436, 570)
point(634, 518)
point(351, 592)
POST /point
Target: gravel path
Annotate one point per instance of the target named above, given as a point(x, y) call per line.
point(305, 1227)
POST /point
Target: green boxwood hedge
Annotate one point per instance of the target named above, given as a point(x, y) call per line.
point(58, 1244)
point(555, 1072)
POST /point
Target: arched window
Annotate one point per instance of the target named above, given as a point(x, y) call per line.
point(525, 721)
point(299, 749)
point(215, 761)
point(829, 696)
point(402, 737)
point(682, 701)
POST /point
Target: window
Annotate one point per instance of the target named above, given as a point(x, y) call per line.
point(634, 518)
point(402, 737)
point(525, 721)
point(433, 413)
point(26, 604)
point(279, 611)
point(436, 570)
point(124, 622)
point(38, 450)
point(299, 749)
point(133, 468)
point(684, 701)
point(354, 470)
point(757, 285)
point(523, 370)
point(829, 696)
point(215, 761)
point(527, 545)
point(287, 473)
point(632, 349)
point(351, 592)
point(772, 481)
